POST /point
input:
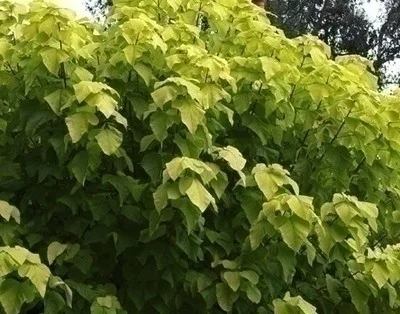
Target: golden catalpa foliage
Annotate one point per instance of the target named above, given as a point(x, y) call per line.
point(185, 156)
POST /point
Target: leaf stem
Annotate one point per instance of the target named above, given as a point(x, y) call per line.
point(336, 134)
point(360, 164)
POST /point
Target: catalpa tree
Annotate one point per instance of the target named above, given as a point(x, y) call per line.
point(186, 157)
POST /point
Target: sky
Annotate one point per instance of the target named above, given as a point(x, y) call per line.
point(373, 8)
point(77, 5)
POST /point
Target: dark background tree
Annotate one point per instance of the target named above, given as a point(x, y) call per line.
point(98, 7)
point(343, 24)
point(387, 41)
point(340, 23)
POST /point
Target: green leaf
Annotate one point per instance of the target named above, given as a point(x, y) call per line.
point(233, 156)
point(346, 212)
point(7, 264)
point(319, 92)
point(144, 71)
point(7, 211)
point(304, 306)
point(220, 184)
point(225, 296)
point(333, 285)
point(38, 274)
point(37, 119)
point(311, 252)
point(191, 113)
point(302, 206)
point(251, 201)
point(295, 231)
point(146, 141)
point(152, 164)
point(242, 101)
point(160, 197)
point(192, 89)
point(99, 206)
point(79, 166)
point(191, 213)
point(55, 249)
point(177, 165)
point(104, 102)
point(380, 273)
point(84, 88)
point(251, 276)
point(52, 58)
point(20, 254)
point(78, 124)
point(14, 294)
point(53, 303)
point(359, 293)
point(232, 278)
point(84, 290)
point(109, 140)
point(164, 94)
point(125, 186)
point(58, 100)
point(266, 184)
point(258, 231)
point(105, 305)
point(160, 123)
point(253, 294)
point(55, 282)
point(83, 74)
point(281, 307)
point(257, 125)
point(213, 94)
point(198, 195)
point(287, 259)
point(292, 305)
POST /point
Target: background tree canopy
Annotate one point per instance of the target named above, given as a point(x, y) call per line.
point(342, 24)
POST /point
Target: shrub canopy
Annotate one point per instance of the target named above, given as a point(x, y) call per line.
point(186, 157)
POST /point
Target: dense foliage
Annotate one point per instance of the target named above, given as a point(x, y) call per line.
point(343, 24)
point(158, 165)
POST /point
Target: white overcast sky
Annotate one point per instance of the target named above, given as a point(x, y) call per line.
point(76, 5)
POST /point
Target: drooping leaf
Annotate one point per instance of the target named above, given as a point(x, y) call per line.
point(233, 157)
point(191, 113)
point(79, 166)
point(55, 249)
point(359, 295)
point(225, 296)
point(253, 294)
point(53, 303)
point(105, 305)
point(232, 278)
point(78, 124)
point(14, 294)
point(58, 100)
point(198, 195)
point(295, 231)
point(7, 211)
point(109, 140)
point(38, 274)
